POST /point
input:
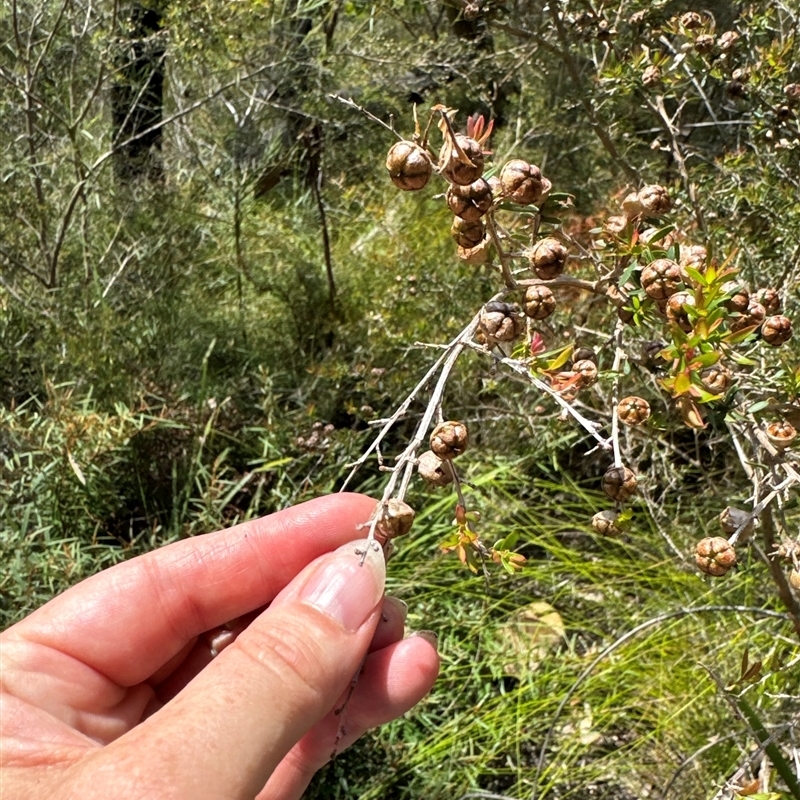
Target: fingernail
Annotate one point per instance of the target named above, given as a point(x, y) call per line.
point(348, 584)
point(400, 605)
point(430, 637)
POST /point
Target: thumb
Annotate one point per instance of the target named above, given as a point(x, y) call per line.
point(224, 734)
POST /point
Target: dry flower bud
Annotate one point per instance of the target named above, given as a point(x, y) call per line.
point(633, 410)
point(776, 330)
point(548, 257)
point(714, 556)
point(454, 167)
point(449, 439)
point(661, 278)
point(753, 317)
point(691, 20)
point(434, 470)
point(728, 40)
point(619, 483)
point(523, 182)
point(409, 166)
point(781, 434)
point(501, 322)
point(651, 76)
point(586, 371)
point(704, 43)
point(788, 551)
point(716, 379)
point(475, 255)
point(794, 579)
point(467, 233)
point(540, 302)
point(676, 313)
point(731, 519)
point(654, 200)
point(396, 520)
point(469, 202)
point(605, 523)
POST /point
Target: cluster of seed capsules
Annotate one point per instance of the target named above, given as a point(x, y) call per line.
point(663, 288)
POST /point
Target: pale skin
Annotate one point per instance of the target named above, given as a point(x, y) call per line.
point(110, 690)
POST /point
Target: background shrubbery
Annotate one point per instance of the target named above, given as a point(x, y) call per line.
point(203, 265)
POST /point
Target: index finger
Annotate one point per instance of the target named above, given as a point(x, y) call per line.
point(127, 621)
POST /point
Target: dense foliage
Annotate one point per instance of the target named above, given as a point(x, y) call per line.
point(209, 288)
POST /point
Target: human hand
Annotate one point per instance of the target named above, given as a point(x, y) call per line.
point(110, 689)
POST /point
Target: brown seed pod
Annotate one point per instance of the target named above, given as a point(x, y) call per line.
point(794, 579)
point(695, 256)
point(475, 255)
point(776, 330)
point(523, 182)
point(615, 225)
point(467, 233)
point(586, 371)
point(434, 470)
point(409, 166)
point(469, 202)
point(454, 168)
point(731, 519)
point(548, 257)
point(605, 523)
point(501, 322)
point(676, 312)
point(714, 556)
point(396, 519)
point(716, 379)
point(704, 43)
point(661, 278)
point(727, 41)
point(781, 434)
point(753, 317)
point(654, 200)
point(619, 483)
point(584, 354)
point(691, 20)
point(770, 299)
point(540, 302)
point(792, 92)
point(651, 77)
point(449, 439)
point(739, 296)
point(631, 205)
point(633, 410)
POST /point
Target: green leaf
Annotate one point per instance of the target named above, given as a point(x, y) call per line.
point(561, 359)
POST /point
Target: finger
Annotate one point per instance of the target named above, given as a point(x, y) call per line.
point(128, 621)
point(225, 733)
point(390, 629)
point(393, 681)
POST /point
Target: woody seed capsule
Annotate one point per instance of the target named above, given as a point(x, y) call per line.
point(605, 523)
point(434, 470)
point(467, 233)
point(619, 483)
point(469, 202)
point(523, 182)
point(409, 166)
point(454, 167)
point(633, 410)
point(781, 434)
point(449, 439)
point(654, 200)
point(501, 322)
point(661, 278)
point(396, 520)
point(776, 330)
point(540, 302)
point(731, 519)
point(548, 257)
point(715, 556)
